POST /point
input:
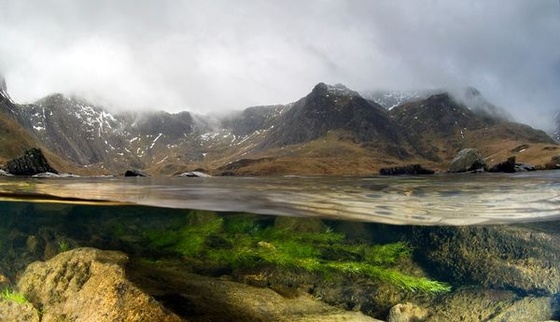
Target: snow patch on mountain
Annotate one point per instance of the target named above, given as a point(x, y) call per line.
point(392, 99)
point(155, 140)
point(340, 90)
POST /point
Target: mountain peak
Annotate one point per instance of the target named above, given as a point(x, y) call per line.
point(3, 86)
point(4, 90)
point(336, 89)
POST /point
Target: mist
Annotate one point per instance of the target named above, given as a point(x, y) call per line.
point(209, 57)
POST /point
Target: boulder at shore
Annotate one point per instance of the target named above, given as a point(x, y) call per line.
point(467, 160)
point(135, 173)
point(510, 166)
point(32, 162)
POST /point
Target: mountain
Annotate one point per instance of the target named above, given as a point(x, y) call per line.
point(335, 130)
point(332, 108)
point(332, 130)
point(91, 136)
point(470, 97)
point(71, 127)
point(439, 126)
point(15, 138)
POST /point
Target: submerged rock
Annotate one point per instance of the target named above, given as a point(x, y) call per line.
point(406, 312)
point(467, 160)
point(474, 305)
point(18, 312)
point(411, 169)
point(32, 162)
point(521, 258)
point(87, 284)
point(212, 299)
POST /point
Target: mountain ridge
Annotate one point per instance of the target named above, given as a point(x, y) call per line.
point(332, 130)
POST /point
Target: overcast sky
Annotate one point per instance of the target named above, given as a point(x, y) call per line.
point(205, 56)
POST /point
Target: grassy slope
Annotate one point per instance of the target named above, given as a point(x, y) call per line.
point(332, 155)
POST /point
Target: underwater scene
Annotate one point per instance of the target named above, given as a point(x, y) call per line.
point(443, 248)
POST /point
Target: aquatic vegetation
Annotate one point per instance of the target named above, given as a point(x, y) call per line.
point(63, 246)
point(11, 295)
point(244, 242)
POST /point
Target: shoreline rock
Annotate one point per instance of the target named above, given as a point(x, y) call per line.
point(135, 173)
point(410, 169)
point(32, 162)
point(510, 166)
point(468, 160)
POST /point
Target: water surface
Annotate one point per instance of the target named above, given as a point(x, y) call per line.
point(445, 199)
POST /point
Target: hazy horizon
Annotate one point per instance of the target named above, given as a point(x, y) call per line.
point(210, 57)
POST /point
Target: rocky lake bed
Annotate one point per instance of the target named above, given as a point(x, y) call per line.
point(64, 262)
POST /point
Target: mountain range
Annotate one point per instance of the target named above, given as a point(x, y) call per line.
point(332, 130)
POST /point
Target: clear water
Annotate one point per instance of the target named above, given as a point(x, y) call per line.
point(441, 219)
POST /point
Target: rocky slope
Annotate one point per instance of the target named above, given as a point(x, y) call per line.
point(333, 130)
point(15, 139)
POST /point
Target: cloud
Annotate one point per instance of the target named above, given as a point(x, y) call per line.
point(208, 56)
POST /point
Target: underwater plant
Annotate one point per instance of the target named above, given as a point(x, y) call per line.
point(11, 295)
point(238, 242)
point(63, 246)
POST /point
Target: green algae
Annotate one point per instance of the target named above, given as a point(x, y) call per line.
point(11, 295)
point(245, 242)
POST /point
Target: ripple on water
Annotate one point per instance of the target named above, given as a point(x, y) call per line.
point(429, 200)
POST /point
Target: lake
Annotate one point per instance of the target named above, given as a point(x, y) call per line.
point(469, 247)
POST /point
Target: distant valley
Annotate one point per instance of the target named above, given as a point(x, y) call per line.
point(331, 131)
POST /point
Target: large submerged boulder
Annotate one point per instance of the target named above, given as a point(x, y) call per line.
point(31, 163)
point(88, 284)
point(91, 285)
point(521, 258)
point(467, 160)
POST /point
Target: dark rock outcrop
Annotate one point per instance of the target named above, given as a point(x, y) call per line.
point(507, 166)
point(135, 173)
point(411, 169)
point(510, 166)
point(554, 163)
point(467, 160)
point(32, 162)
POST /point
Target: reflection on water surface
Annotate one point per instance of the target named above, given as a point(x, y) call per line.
point(430, 200)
